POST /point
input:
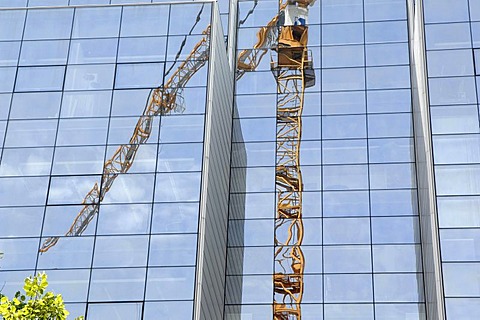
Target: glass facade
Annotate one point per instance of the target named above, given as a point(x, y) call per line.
point(76, 79)
point(361, 238)
point(452, 30)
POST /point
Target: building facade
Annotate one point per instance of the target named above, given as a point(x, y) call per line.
point(138, 167)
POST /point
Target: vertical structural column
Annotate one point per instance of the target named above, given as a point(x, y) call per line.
point(434, 297)
point(288, 256)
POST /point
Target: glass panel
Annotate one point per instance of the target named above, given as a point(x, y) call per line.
point(250, 233)
point(388, 77)
point(59, 219)
point(391, 150)
point(21, 222)
point(261, 179)
point(252, 205)
point(385, 10)
point(345, 177)
point(129, 102)
point(448, 36)
point(446, 10)
point(398, 287)
point(143, 21)
point(447, 91)
point(346, 203)
point(457, 180)
point(145, 49)
point(395, 230)
point(86, 104)
point(174, 310)
point(461, 279)
point(346, 230)
point(175, 217)
point(39, 78)
point(383, 32)
point(460, 244)
point(48, 24)
point(342, 102)
point(89, 77)
point(144, 160)
point(4, 106)
point(19, 254)
point(125, 284)
point(170, 283)
point(387, 54)
point(78, 160)
point(344, 127)
point(250, 260)
point(399, 311)
point(93, 51)
point(26, 162)
point(11, 23)
point(31, 133)
point(348, 33)
point(343, 151)
point(69, 252)
point(70, 189)
point(446, 63)
point(349, 311)
point(132, 188)
point(458, 211)
point(338, 259)
point(181, 17)
point(383, 101)
point(35, 105)
point(343, 79)
point(73, 284)
point(454, 119)
point(96, 22)
point(255, 154)
point(119, 311)
point(9, 52)
point(342, 56)
point(254, 289)
point(44, 52)
point(180, 157)
point(261, 129)
point(142, 75)
point(173, 250)
point(333, 11)
point(177, 187)
point(348, 288)
point(392, 176)
point(82, 132)
point(120, 251)
point(7, 79)
point(456, 149)
point(393, 202)
point(124, 219)
point(466, 308)
point(397, 258)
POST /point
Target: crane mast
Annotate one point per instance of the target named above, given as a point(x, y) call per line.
point(293, 72)
point(162, 101)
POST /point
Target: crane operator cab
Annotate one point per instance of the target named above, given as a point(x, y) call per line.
point(293, 39)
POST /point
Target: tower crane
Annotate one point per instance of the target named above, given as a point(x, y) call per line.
point(286, 36)
point(162, 101)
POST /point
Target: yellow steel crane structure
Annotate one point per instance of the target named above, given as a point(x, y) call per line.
point(162, 100)
point(293, 71)
point(286, 36)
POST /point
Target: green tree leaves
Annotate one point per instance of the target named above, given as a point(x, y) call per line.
point(35, 304)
